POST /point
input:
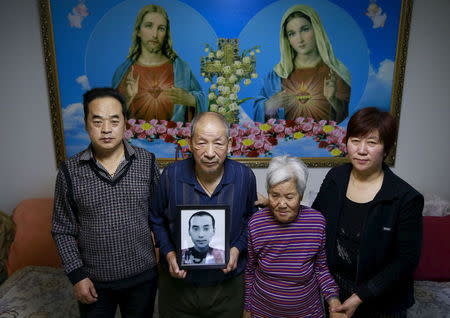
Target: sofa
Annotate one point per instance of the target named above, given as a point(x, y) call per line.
point(37, 286)
point(432, 276)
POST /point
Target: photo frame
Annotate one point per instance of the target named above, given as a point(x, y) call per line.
point(203, 236)
point(84, 42)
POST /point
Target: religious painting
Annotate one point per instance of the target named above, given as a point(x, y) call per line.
point(203, 237)
point(286, 75)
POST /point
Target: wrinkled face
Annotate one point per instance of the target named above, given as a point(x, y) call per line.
point(105, 124)
point(300, 34)
point(152, 32)
point(284, 201)
point(366, 153)
point(209, 145)
point(201, 231)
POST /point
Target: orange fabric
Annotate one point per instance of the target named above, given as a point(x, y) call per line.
point(33, 243)
point(307, 85)
point(150, 101)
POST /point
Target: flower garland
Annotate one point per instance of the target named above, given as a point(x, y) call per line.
point(252, 139)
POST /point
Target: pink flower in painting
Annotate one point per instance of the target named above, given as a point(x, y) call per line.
point(128, 134)
point(278, 128)
point(184, 132)
point(323, 122)
point(307, 126)
point(172, 131)
point(131, 121)
point(138, 129)
point(299, 120)
point(268, 146)
point(233, 132)
point(258, 144)
point(271, 121)
point(255, 130)
point(161, 129)
point(288, 131)
point(153, 122)
point(317, 129)
point(141, 121)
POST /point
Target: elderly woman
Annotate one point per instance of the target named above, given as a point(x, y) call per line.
point(286, 274)
point(374, 222)
point(309, 81)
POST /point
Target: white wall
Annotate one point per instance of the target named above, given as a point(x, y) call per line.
point(27, 162)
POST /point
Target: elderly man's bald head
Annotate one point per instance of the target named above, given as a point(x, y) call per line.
point(207, 116)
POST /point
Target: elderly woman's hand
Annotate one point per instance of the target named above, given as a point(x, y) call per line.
point(338, 315)
point(349, 306)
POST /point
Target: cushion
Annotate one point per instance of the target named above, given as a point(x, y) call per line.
point(434, 262)
point(33, 243)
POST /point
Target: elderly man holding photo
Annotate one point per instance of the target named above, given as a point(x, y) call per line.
point(208, 178)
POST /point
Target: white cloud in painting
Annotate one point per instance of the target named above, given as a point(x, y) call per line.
point(84, 82)
point(376, 14)
point(73, 117)
point(78, 14)
point(379, 86)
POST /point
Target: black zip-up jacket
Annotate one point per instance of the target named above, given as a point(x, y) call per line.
point(391, 238)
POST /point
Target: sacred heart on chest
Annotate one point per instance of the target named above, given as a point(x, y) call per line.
point(303, 95)
point(155, 91)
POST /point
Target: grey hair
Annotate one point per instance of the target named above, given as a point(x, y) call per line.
point(284, 168)
point(220, 117)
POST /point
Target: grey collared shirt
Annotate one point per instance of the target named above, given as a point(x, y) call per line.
point(88, 154)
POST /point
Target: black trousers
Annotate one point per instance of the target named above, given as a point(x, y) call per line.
point(134, 302)
point(178, 299)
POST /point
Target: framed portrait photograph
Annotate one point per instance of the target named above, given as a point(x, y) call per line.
point(203, 236)
point(287, 75)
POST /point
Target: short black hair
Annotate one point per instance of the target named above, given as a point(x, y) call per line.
point(100, 92)
point(368, 119)
point(203, 213)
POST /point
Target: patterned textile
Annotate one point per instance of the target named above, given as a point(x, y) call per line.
point(37, 291)
point(432, 300)
point(102, 229)
point(40, 292)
